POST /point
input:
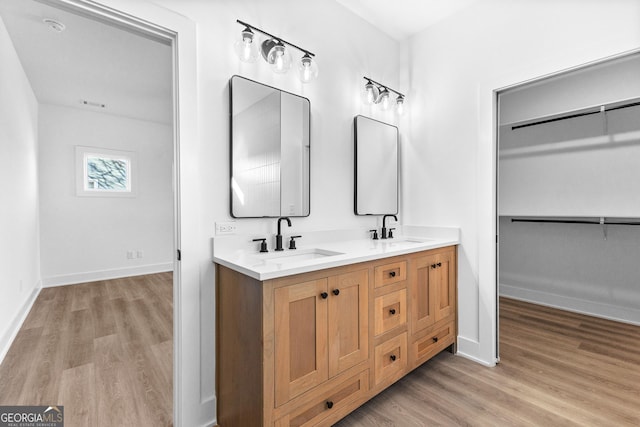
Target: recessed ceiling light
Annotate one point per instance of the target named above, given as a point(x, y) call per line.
point(56, 26)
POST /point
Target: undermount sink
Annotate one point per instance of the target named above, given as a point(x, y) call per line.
point(298, 255)
point(405, 241)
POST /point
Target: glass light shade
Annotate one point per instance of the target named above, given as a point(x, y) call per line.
point(308, 69)
point(246, 48)
point(400, 105)
point(383, 100)
point(370, 94)
point(279, 58)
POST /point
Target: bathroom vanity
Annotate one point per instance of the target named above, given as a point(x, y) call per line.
point(306, 336)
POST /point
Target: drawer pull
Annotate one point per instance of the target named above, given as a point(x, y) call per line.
point(336, 291)
point(435, 339)
point(329, 404)
point(392, 273)
point(393, 357)
point(433, 266)
point(392, 311)
point(439, 264)
point(324, 295)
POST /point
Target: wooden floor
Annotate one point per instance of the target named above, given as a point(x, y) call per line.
point(557, 369)
point(104, 350)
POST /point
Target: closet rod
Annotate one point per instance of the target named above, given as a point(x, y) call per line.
point(574, 221)
point(541, 122)
point(573, 116)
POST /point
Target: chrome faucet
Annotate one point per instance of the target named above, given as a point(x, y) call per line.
point(279, 235)
point(384, 227)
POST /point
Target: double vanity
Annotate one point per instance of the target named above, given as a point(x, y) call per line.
point(312, 325)
point(305, 336)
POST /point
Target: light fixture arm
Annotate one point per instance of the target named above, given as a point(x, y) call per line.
point(276, 37)
point(380, 85)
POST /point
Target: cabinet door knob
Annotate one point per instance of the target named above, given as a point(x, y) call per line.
point(433, 266)
point(439, 264)
point(336, 291)
point(392, 311)
point(329, 404)
point(324, 295)
point(435, 339)
point(393, 357)
point(392, 273)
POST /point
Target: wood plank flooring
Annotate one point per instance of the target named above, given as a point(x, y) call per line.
point(557, 369)
point(103, 350)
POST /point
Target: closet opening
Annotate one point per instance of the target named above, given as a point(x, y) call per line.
point(568, 206)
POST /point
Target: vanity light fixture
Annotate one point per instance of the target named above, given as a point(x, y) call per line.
point(246, 48)
point(377, 93)
point(276, 52)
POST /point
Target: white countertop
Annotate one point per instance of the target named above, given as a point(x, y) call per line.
point(325, 250)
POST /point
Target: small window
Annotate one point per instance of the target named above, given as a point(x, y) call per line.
point(104, 172)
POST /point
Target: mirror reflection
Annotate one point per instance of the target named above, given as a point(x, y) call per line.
point(270, 144)
point(376, 167)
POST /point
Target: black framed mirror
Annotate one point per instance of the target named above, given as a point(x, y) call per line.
point(270, 151)
point(376, 167)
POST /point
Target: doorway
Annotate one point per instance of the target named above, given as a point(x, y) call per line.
point(565, 219)
point(85, 112)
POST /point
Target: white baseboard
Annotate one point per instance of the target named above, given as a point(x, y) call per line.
point(468, 348)
point(7, 339)
point(591, 308)
point(116, 273)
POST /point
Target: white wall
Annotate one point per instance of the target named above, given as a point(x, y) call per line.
point(573, 266)
point(87, 238)
point(19, 245)
point(449, 161)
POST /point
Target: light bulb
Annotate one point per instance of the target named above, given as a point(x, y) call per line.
point(246, 49)
point(400, 105)
point(279, 58)
point(384, 99)
point(308, 69)
point(370, 93)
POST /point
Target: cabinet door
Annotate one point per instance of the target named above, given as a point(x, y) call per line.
point(300, 334)
point(348, 320)
point(444, 280)
point(423, 285)
point(432, 289)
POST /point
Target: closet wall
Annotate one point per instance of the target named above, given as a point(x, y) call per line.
point(568, 151)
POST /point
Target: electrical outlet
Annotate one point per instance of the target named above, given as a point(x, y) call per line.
point(226, 227)
point(140, 254)
point(131, 255)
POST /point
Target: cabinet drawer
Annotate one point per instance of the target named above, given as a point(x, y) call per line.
point(390, 359)
point(434, 342)
point(336, 399)
point(390, 273)
point(390, 311)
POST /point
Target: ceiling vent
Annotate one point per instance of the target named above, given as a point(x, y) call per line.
point(92, 103)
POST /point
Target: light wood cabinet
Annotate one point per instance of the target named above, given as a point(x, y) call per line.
point(307, 349)
point(433, 292)
point(321, 329)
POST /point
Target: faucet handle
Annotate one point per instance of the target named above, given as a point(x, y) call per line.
point(390, 236)
point(292, 242)
point(375, 234)
point(263, 245)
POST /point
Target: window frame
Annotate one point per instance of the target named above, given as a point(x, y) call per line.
point(83, 152)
